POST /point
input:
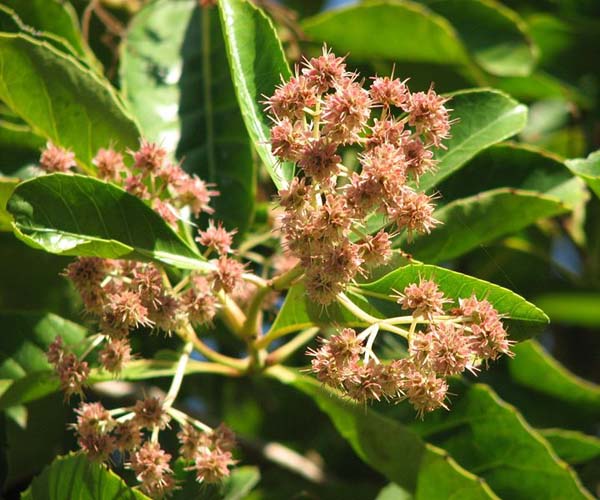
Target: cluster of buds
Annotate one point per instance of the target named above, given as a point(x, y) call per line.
point(165, 186)
point(100, 435)
point(442, 341)
point(317, 112)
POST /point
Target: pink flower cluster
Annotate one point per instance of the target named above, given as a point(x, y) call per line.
point(151, 177)
point(322, 109)
point(441, 343)
point(99, 435)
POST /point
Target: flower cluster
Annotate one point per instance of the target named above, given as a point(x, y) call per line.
point(100, 434)
point(441, 343)
point(127, 295)
point(209, 452)
point(165, 186)
point(322, 109)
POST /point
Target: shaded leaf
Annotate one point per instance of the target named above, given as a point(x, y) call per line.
point(173, 74)
point(75, 476)
point(572, 446)
point(504, 47)
point(7, 186)
point(20, 149)
point(537, 370)
point(23, 346)
point(257, 63)
point(470, 222)
point(390, 448)
point(77, 215)
point(588, 169)
point(490, 438)
point(20, 266)
point(40, 383)
point(571, 308)
point(236, 487)
point(62, 100)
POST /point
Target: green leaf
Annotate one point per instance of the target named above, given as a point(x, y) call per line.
point(62, 100)
point(173, 74)
point(40, 383)
point(20, 266)
point(74, 476)
point(504, 47)
point(51, 16)
point(257, 63)
point(572, 446)
point(470, 222)
point(523, 318)
point(426, 37)
point(532, 367)
point(572, 308)
point(491, 439)
point(299, 312)
point(389, 447)
point(485, 117)
point(7, 186)
point(20, 149)
point(588, 169)
point(393, 492)
point(77, 215)
point(23, 349)
point(512, 165)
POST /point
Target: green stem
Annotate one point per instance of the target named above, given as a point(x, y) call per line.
point(359, 313)
point(285, 351)
point(178, 377)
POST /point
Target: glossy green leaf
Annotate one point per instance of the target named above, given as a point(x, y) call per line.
point(390, 448)
point(572, 446)
point(10, 22)
point(75, 476)
point(512, 165)
point(62, 100)
point(470, 222)
point(53, 17)
point(523, 318)
point(588, 169)
point(504, 47)
point(550, 186)
point(77, 215)
point(424, 37)
point(257, 63)
point(490, 438)
point(485, 117)
point(173, 74)
point(534, 368)
point(298, 312)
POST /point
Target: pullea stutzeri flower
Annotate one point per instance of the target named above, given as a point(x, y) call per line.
point(442, 341)
point(319, 111)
